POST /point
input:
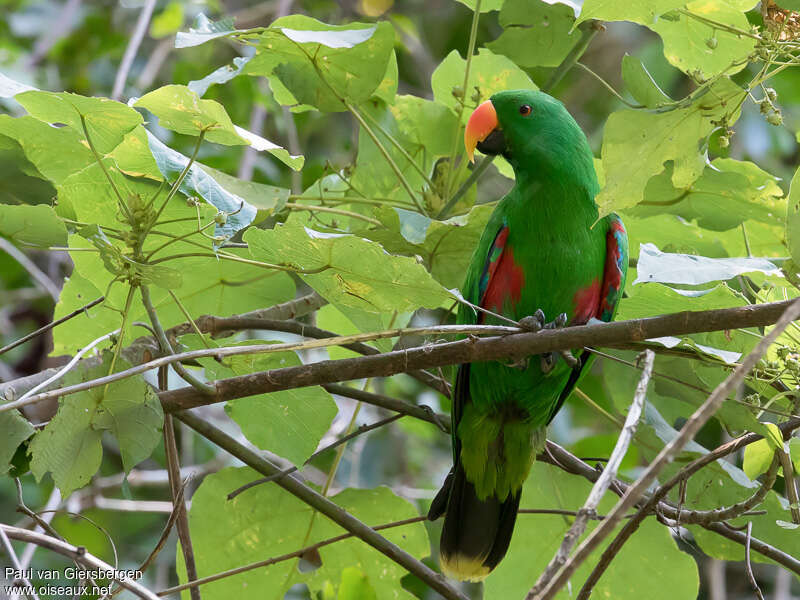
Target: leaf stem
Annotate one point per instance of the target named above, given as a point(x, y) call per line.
point(473, 35)
point(589, 29)
point(204, 388)
point(400, 149)
point(334, 211)
point(182, 176)
point(99, 160)
point(385, 153)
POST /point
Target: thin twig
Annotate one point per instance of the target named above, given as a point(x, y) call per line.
point(303, 551)
point(361, 430)
point(49, 326)
point(476, 173)
point(79, 555)
point(589, 29)
point(422, 412)
point(179, 506)
point(790, 484)
point(385, 153)
point(684, 518)
point(200, 386)
point(604, 481)
point(557, 456)
point(15, 562)
point(176, 508)
point(66, 368)
point(326, 507)
point(748, 566)
point(667, 454)
point(132, 49)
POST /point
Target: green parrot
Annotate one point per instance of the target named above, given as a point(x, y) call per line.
point(543, 252)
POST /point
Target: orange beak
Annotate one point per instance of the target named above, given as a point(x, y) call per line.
point(481, 123)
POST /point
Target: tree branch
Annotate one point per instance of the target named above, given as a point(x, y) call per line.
point(561, 458)
point(701, 517)
point(177, 492)
point(603, 482)
point(668, 453)
point(331, 510)
point(49, 326)
point(512, 347)
point(79, 555)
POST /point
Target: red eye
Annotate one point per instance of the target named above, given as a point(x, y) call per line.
point(525, 110)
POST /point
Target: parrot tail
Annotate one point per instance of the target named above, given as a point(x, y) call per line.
point(476, 533)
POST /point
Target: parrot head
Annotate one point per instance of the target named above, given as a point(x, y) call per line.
point(529, 128)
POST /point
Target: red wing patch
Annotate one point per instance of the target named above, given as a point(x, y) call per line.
point(586, 301)
point(599, 301)
point(503, 278)
point(615, 269)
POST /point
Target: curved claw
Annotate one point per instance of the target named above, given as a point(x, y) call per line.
point(570, 359)
point(548, 362)
point(535, 322)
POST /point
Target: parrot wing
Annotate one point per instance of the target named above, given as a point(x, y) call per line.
point(614, 271)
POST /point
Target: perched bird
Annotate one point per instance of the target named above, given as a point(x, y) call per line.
point(543, 253)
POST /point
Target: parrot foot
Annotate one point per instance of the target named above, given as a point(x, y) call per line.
point(537, 322)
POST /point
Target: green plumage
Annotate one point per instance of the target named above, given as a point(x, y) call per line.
point(543, 248)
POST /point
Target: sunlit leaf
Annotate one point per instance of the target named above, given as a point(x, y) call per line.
point(269, 522)
point(535, 34)
point(348, 270)
point(32, 225)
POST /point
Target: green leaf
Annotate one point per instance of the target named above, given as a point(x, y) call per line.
point(168, 21)
point(486, 5)
point(687, 42)
point(16, 429)
point(636, 144)
point(268, 199)
point(672, 233)
point(387, 89)
point(204, 30)
point(355, 585)
point(131, 411)
point(348, 271)
point(178, 108)
point(649, 564)
point(269, 522)
point(662, 267)
point(794, 452)
point(793, 218)
point(106, 120)
point(425, 126)
point(289, 423)
point(222, 75)
point(56, 152)
point(74, 334)
point(171, 163)
point(32, 225)
point(69, 446)
point(323, 65)
point(488, 73)
point(641, 84)
point(445, 246)
point(727, 193)
point(643, 12)
point(535, 34)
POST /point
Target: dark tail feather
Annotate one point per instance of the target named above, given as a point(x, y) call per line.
point(476, 532)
